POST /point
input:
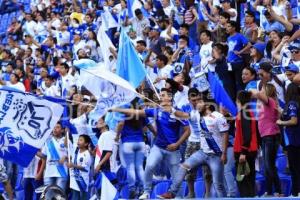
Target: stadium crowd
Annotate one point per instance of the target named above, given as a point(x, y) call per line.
point(252, 46)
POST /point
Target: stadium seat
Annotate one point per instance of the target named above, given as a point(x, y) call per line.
point(160, 188)
point(122, 177)
point(199, 188)
point(124, 193)
point(260, 184)
point(281, 163)
point(286, 184)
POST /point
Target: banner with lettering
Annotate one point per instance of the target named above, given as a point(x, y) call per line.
point(26, 122)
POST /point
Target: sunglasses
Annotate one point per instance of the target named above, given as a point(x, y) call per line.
point(295, 51)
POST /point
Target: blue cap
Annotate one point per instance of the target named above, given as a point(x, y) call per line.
point(260, 47)
point(295, 45)
point(292, 68)
point(155, 28)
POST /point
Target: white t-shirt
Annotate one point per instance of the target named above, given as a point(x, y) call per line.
point(51, 164)
point(107, 142)
point(163, 72)
point(217, 125)
point(80, 45)
point(30, 27)
point(205, 56)
point(194, 122)
point(140, 25)
point(32, 169)
point(234, 11)
point(84, 160)
point(41, 28)
point(62, 37)
point(181, 98)
point(51, 91)
point(19, 86)
point(65, 84)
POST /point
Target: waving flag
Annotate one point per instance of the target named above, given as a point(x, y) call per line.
point(132, 5)
point(108, 191)
point(109, 89)
point(26, 122)
point(129, 65)
point(105, 44)
point(220, 94)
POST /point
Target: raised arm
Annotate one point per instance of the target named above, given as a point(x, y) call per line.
point(132, 112)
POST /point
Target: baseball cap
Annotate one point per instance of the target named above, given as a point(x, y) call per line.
point(155, 28)
point(295, 45)
point(260, 47)
point(292, 68)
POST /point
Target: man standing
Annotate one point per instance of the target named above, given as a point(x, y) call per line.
point(168, 139)
point(214, 141)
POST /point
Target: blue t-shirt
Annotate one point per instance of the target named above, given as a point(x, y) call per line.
point(168, 128)
point(236, 42)
point(291, 133)
point(275, 26)
point(130, 133)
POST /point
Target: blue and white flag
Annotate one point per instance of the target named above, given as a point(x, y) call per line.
point(129, 64)
point(220, 95)
point(108, 191)
point(132, 5)
point(109, 89)
point(105, 44)
point(26, 122)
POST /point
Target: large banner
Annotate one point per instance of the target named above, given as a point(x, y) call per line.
point(26, 122)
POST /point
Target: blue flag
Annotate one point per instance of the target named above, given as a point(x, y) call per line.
point(129, 65)
point(220, 94)
point(26, 122)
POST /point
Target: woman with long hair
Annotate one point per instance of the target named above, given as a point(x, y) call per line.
point(131, 132)
point(269, 131)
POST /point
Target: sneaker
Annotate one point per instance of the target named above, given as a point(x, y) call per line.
point(276, 194)
point(167, 195)
point(145, 195)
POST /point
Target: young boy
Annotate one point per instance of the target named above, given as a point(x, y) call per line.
point(80, 169)
point(55, 153)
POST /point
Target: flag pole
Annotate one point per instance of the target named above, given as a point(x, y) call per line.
point(68, 146)
point(152, 85)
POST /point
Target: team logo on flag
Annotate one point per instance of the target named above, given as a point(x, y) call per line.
point(34, 119)
point(9, 140)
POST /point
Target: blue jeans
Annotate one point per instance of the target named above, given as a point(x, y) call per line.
point(200, 158)
point(77, 195)
point(59, 181)
point(229, 180)
point(270, 145)
point(30, 184)
point(133, 155)
point(156, 156)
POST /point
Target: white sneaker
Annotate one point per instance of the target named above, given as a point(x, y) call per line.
point(145, 195)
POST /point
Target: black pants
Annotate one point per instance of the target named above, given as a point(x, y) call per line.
point(237, 69)
point(270, 146)
point(294, 163)
point(247, 185)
